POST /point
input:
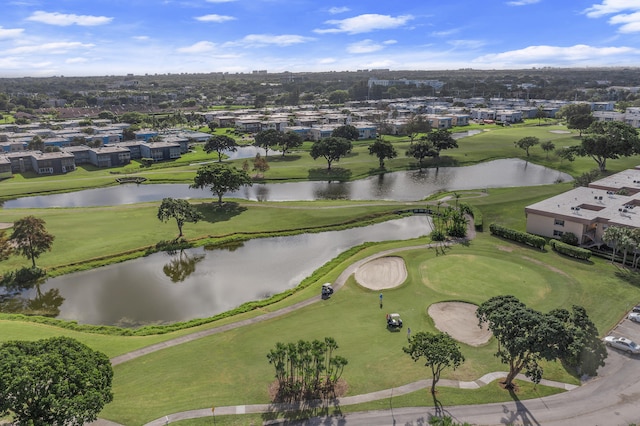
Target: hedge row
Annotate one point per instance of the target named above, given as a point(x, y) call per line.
point(569, 250)
point(518, 236)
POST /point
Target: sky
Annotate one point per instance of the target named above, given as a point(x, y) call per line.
point(42, 38)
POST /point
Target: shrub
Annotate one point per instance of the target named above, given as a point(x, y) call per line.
point(518, 236)
point(569, 250)
point(569, 238)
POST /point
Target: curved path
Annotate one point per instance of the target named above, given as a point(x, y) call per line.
point(612, 398)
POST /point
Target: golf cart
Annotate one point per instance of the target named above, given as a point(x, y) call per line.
point(394, 321)
point(327, 290)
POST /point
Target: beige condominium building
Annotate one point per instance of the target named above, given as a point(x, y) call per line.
point(588, 211)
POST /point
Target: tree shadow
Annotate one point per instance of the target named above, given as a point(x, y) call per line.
point(214, 212)
point(317, 412)
point(335, 173)
point(630, 277)
point(287, 158)
point(521, 415)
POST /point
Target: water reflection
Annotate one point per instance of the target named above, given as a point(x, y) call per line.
point(33, 302)
point(141, 291)
point(399, 186)
point(181, 266)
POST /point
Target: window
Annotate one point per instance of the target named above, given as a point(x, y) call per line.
point(558, 222)
point(557, 233)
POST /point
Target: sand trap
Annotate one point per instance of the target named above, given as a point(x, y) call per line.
point(560, 132)
point(6, 225)
point(385, 272)
point(460, 321)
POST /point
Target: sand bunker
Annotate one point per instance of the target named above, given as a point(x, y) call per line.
point(6, 225)
point(460, 321)
point(560, 132)
point(385, 272)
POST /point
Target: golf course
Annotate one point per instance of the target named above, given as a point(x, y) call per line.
point(230, 367)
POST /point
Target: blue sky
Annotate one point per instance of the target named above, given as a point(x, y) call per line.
point(116, 37)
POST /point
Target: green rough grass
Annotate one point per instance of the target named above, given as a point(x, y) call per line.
point(353, 317)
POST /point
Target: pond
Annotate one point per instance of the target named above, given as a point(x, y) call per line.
point(399, 186)
point(197, 283)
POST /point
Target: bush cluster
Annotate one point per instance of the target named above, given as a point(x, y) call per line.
point(569, 250)
point(518, 236)
point(475, 213)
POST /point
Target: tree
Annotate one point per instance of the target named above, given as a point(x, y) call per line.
point(221, 179)
point(331, 148)
point(260, 165)
point(180, 210)
point(30, 238)
point(585, 351)
point(338, 96)
point(383, 150)
point(577, 116)
point(290, 140)
point(609, 139)
point(416, 125)
point(441, 139)
point(547, 146)
point(267, 139)
point(5, 246)
point(57, 381)
point(220, 143)
point(36, 144)
point(420, 150)
point(525, 336)
point(526, 143)
point(540, 114)
point(439, 351)
point(347, 132)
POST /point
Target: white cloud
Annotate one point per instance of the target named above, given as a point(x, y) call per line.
point(215, 18)
point(609, 7)
point(553, 54)
point(522, 2)
point(390, 42)
point(49, 48)
point(141, 38)
point(253, 40)
point(445, 33)
point(336, 10)
point(467, 44)
point(10, 33)
point(199, 47)
point(77, 60)
point(64, 20)
point(364, 46)
point(365, 23)
point(327, 61)
point(628, 23)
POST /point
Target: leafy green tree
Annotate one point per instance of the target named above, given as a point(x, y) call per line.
point(526, 143)
point(30, 238)
point(289, 141)
point(439, 351)
point(347, 132)
point(441, 139)
point(577, 116)
point(383, 150)
point(219, 144)
point(421, 150)
point(57, 381)
point(180, 210)
point(585, 351)
point(338, 96)
point(609, 139)
point(331, 149)
point(267, 139)
point(525, 336)
point(416, 125)
point(5, 246)
point(547, 146)
point(220, 178)
point(36, 144)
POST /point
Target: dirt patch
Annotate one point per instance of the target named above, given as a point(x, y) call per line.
point(382, 273)
point(460, 321)
point(6, 225)
point(505, 248)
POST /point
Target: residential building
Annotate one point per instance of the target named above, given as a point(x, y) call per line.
point(109, 156)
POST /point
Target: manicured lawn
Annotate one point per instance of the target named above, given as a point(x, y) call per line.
point(544, 280)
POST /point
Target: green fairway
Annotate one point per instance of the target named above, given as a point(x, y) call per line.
point(544, 280)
